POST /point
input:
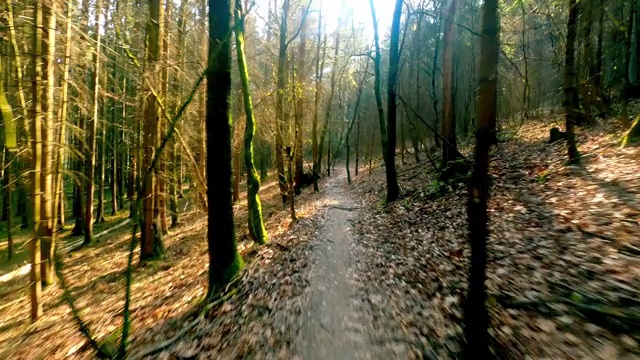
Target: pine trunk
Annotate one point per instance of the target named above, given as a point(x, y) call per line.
point(37, 161)
point(47, 197)
point(92, 127)
point(62, 135)
point(164, 93)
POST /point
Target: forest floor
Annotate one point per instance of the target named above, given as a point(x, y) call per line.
point(353, 278)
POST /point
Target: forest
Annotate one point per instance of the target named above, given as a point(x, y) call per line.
point(320, 179)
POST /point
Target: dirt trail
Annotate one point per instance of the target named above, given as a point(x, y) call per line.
point(332, 322)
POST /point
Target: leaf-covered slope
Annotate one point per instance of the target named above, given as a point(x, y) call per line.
point(563, 278)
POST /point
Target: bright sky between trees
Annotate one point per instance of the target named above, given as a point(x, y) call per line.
point(333, 9)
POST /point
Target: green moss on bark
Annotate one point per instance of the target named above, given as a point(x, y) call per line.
point(219, 277)
point(634, 132)
point(256, 224)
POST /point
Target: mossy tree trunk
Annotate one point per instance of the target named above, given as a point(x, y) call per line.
point(633, 133)
point(256, 224)
point(224, 260)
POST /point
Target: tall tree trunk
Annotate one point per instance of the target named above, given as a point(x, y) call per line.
point(328, 110)
point(23, 208)
point(202, 107)
point(626, 92)
point(62, 135)
point(329, 156)
point(164, 91)
point(402, 139)
point(587, 68)
point(176, 164)
point(597, 80)
point(526, 89)
point(434, 93)
point(116, 140)
point(80, 139)
point(377, 63)
point(281, 80)
point(92, 128)
point(570, 94)
point(8, 208)
point(224, 260)
point(46, 216)
point(236, 155)
point(373, 137)
point(355, 117)
point(449, 146)
point(37, 169)
point(416, 72)
point(101, 156)
point(132, 192)
point(115, 188)
point(314, 126)
point(7, 202)
point(637, 12)
point(357, 146)
point(300, 90)
point(18, 66)
point(393, 191)
point(476, 318)
point(151, 243)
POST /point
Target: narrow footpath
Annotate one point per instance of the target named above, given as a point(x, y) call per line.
point(332, 323)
